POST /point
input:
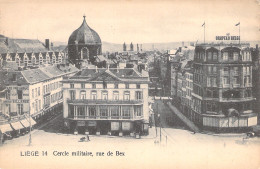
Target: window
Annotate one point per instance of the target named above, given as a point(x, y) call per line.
point(225, 56)
point(138, 110)
point(92, 111)
point(138, 86)
point(235, 70)
point(82, 85)
point(82, 94)
point(93, 86)
point(116, 86)
point(231, 57)
point(36, 106)
point(115, 95)
point(103, 111)
point(235, 56)
point(20, 109)
point(226, 71)
point(104, 95)
point(138, 95)
point(20, 94)
point(36, 92)
point(72, 94)
point(225, 80)
point(126, 111)
point(39, 91)
point(209, 56)
point(71, 86)
point(213, 81)
point(127, 95)
point(40, 106)
point(81, 110)
point(93, 95)
point(215, 56)
point(115, 111)
point(236, 80)
point(209, 69)
point(214, 69)
point(127, 86)
point(32, 93)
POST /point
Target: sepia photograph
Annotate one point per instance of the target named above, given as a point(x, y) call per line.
point(125, 84)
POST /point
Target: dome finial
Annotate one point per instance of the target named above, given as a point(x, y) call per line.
point(84, 16)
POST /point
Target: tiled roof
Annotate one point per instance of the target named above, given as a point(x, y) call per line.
point(34, 75)
point(21, 45)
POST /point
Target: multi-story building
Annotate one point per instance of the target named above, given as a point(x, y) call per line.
point(106, 101)
point(222, 86)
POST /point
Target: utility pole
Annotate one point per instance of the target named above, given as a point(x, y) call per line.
point(30, 134)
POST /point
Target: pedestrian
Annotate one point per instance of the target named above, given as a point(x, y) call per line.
point(88, 138)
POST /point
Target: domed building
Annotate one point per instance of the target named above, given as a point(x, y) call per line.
point(83, 45)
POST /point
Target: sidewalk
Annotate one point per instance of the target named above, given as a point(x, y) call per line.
point(189, 123)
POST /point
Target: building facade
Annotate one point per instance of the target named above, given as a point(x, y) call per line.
point(222, 87)
point(106, 101)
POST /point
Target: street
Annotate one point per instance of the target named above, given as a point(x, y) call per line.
point(181, 149)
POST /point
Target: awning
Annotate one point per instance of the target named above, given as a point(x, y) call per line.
point(25, 123)
point(32, 121)
point(17, 125)
point(5, 128)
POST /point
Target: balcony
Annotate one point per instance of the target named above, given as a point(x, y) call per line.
point(236, 99)
point(102, 102)
point(83, 117)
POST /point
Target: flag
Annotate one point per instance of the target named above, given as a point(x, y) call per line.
point(203, 24)
point(237, 24)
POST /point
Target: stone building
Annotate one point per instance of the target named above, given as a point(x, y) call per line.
point(106, 101)
point(222, 87)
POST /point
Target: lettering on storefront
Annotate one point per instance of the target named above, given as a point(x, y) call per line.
point(227, 37)
point(20, 101)
point(81, 123)
point(92, 123)
point(126, 126)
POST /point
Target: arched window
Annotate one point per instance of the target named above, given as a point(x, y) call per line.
point(53, 59)
point(25, 61)
point(48, 60)
point(40, 60)
point(33, 60)
point(85, 53)
point(17, 60)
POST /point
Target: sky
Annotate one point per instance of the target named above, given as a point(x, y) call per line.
point(136, 21)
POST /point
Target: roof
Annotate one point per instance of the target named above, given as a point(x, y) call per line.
point(84, 35)
point(21, 45)
point(48, 72)
point(101, 58)
point(112, 74)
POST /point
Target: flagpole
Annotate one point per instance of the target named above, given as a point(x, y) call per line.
point(239, 33)
point(204, 30)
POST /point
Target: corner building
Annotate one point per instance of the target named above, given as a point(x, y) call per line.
point(222, 87)
point(106, 101)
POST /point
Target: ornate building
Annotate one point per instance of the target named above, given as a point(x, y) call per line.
point(106, 101)
point(83, 45)
point(222, 86)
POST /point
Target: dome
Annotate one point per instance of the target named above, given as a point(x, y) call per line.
point(84, 35)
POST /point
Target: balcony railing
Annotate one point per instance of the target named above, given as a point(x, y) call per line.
point(106, 117)
point(100, 101)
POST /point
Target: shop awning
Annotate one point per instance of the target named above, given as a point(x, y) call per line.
point(32, 121)
point(5, 128)
point(25, 123)
point(17, 125)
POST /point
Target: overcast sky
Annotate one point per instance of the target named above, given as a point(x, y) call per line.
point(131, 20)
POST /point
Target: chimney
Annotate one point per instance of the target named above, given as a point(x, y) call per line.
point(179, 49)
point(47, 43)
